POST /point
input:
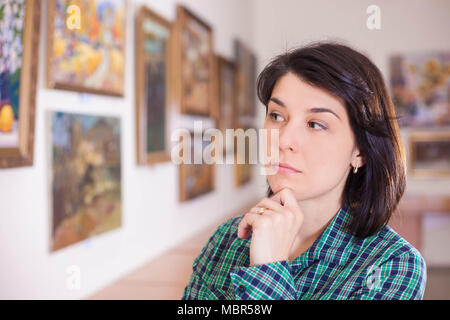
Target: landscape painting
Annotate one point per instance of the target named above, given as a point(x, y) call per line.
point(85, 177)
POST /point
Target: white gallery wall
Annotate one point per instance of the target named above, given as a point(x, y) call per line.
point(153, 220)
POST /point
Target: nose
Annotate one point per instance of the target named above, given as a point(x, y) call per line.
point(288, 138)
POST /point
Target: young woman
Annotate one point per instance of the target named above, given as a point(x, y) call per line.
point(321, 232)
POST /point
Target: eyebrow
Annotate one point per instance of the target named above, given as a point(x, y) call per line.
point(311, 110)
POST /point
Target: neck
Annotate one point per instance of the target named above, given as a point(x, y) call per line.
point(318, 213)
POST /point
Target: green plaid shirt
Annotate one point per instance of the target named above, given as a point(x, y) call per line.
point(336, 266)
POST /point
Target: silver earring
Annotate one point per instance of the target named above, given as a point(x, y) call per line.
point(355, 169)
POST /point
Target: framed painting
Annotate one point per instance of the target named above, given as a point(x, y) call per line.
point(245, 80)
point(420, 85)
point(19, 42)
point(193, 47)
point(153, 87)
point(85, 179)
point(243, 171)
point(226, 98)
point(196, 179)
point(430, 154)
point(86, 46)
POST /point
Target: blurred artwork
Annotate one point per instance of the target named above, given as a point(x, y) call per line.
point(19, 42)
point(226, 74)
point(196, 179)
point(86, 177)
point(152, 86)
point(430, 154)
point(12, 17)
point(89, 58)
point(245, 80)
point(421, 89)
point(197, 65)
point(243, 171)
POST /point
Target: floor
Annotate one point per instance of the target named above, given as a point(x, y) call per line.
point(165, 277)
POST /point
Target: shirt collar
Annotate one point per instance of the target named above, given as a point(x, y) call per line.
point(333, 244)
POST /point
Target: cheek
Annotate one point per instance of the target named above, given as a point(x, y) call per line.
point(329, 156)
point(327, 163)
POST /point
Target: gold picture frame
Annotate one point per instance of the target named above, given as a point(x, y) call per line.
point(243, 172)
point(20, 153)
point(246, 64)
point(195, 179)
point(429, 154)
point(196, 88)
point(153, 84)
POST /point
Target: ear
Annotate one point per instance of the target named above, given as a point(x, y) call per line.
point(358, 158)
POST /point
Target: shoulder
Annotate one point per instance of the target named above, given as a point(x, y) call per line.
point(400, 265)
point(392, 245)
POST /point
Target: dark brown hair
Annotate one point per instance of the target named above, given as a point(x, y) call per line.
point(372, 194)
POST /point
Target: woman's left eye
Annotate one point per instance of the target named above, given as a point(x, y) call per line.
point(320, 126)
point(273, 115)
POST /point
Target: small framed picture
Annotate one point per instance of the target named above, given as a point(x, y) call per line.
point(245, 61)
point(226, 98)
point(243, 167)
point(153, 87)
point(19, 44)
point(195, 59)
point(420, 86)
point(86, 46)
point(430, 154)
point(196, 179)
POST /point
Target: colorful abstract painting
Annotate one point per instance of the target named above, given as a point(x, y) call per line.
point(86, 177)
point(12, 17)
point(421, 89)
point(89, 56)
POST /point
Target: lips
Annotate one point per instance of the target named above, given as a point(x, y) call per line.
point(285, 165)
point(285, 168)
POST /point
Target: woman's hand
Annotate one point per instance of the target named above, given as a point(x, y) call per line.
point(275, 230)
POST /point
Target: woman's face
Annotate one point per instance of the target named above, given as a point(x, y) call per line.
point(318, 144)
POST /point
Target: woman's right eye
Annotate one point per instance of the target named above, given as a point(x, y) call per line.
point(273, 115)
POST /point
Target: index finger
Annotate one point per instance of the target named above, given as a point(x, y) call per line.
point(286, 197)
